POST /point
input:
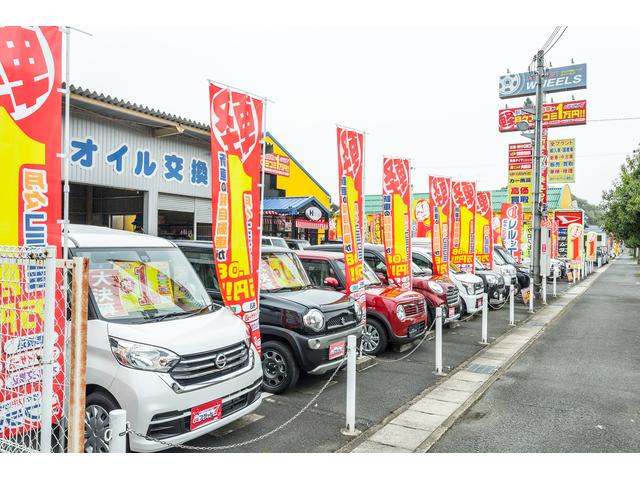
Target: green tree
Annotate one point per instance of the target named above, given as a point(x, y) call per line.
point(621, 204)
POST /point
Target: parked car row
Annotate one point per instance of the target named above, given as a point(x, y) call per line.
point(161, 346)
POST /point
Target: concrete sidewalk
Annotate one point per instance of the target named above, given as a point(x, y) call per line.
point(424, 420)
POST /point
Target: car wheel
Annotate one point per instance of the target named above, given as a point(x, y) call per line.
point(279, 368)
point(96, 421)
point(463, 308)
point(374, 337)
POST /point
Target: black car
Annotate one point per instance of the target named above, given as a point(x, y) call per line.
point(302, 328)
point(494, 285)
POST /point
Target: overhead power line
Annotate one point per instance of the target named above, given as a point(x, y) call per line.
point(556, 41)
point(550, 39)
point(612, 119)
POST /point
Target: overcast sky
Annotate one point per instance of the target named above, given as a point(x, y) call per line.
point(429, 94)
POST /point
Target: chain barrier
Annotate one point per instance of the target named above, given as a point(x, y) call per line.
point(246, 442)
point(404, 356)
point(506, 300)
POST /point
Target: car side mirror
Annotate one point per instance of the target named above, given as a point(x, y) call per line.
point(382, 277)
point(332, 283)
point(428, 271)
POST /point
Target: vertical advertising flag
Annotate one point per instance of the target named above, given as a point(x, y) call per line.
point(396, 205)
point(554, 238)
point(463, 206)
point(570, 223)
point(511, 225)
point(520, 174)
point(236, 134)
point(31, 204)
point(496, 227)
point(421, 218)
point(350, 177)
point(544, 168)
point(484, 230)
point(440, 203)
point(592, 238)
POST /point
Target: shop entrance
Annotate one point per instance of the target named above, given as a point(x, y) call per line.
point(176, 225)
point(106, 207)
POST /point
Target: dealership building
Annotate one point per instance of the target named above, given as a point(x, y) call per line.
point(132, 167)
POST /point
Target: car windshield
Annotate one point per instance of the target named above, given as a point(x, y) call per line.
point(479, 265)
point(282, 271)
point(497, 259)
point(507, 256)
point(279, 242)
point(143, 284)
point(370, 277)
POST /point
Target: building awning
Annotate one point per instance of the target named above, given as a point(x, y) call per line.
point(290, 205)
point(310, 224)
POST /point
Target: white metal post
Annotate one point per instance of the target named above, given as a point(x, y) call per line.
point(531, 293)
point(555, 276)
point(512, 306)
point(117, 427)
point(351, 385)
point(49, 332)
point(485, 313)
point(439, 341)
point(544, 288)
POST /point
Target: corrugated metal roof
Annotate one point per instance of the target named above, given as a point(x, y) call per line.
point(289, 204)
point(373, 203)
point(93, 95)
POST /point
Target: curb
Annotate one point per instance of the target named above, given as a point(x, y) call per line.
point(447, 423)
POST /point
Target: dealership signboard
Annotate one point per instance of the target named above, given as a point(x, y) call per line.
point(562, 160)
point(559, 79)
point(520, 173)
point(563, 114)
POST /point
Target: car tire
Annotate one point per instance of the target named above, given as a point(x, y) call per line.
point(280, 371)
point(374, 337)
point(96, 421)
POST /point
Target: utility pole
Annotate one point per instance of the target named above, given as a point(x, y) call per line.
point(537, 167)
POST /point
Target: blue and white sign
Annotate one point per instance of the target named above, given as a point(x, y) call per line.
point(560, 79)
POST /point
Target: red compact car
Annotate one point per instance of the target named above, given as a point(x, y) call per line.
point(394, 316)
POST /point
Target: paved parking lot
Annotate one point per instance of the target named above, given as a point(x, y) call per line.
point(381, 389)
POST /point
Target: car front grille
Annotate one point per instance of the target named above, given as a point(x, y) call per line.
point(413, 309)
point(341, 320)
point(453, 295)
point(170, 424)
point(501, 281)
point(207, 366)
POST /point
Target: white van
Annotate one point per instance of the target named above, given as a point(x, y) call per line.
point(157, 346)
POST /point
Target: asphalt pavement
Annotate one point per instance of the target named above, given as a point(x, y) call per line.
point(381, 389)
point(576, 389)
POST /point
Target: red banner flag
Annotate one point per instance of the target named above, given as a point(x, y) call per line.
point(463, 205)
point(236, 134)
point(484, 230)
point(512, 220)
point(420, 217)
point(31, 199)
point(396, 204)
point(440, 204)
point(350, 173)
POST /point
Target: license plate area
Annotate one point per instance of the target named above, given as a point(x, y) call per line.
point(452, 312)
point(205, 414)
point(414, 330)
point(337, 349)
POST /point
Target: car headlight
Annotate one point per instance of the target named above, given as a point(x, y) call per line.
point(314, 319)
point(141, 356)
point(358, 310)
point(436, 287)
point(400, 313)
point(469, 287)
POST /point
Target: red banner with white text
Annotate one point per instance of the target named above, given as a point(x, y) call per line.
point(421, 218)
point(396, 204)
point(440, 205)
point(31, 200)
point(350, 176)
point(511, 218)
point(463, 211)
point(484, 230)
point(236, 152)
